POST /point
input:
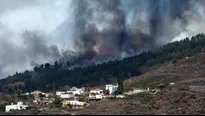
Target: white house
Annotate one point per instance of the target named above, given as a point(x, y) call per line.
point(58, 93)
point(99, 91)
point(96, 94)
point(74, 103)
point(171, 84)
point(66, 96)
point(120, 96)
point(18, 106)
point(139, 90)
point(73, 89)
point(76, 90)
point(111, 88)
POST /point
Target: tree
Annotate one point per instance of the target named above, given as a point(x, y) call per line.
point(174, 61)
point(68, 64)
point(47, 65)
point(41, 67)
point(66, 88)
point(56, 64)
point(35, 68)
point(120, 83)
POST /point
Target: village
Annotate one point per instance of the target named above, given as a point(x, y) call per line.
point(74, 98)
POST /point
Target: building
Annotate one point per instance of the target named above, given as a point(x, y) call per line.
point(36, 92)
point(73, 89)
point(139, 90)
point(120, 96)
point(74, 103)
point(76, 91)
point(95, 94)
point(26, 93)
point(99, 91)
point(58, 93)
point(112, 88)
point(18, 106)
point(171, 84)
point(67, 95)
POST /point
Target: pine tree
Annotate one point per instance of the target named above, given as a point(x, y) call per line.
point(120, 83)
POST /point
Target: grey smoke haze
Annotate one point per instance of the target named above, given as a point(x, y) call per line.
point(39, 31)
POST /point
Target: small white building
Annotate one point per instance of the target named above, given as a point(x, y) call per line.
point(77, 91)
point(73, 89)
point(112, 88)
point(99, 91)
point(96, 94)
point(120, 96)
point(26, 93)
point(139, 90)
point(171, 84)
point(18, 106)
point(58, 93)
point(67, 96)
point(74, 103)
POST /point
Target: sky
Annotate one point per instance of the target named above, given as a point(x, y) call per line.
point(34, 15)
point(50, 18)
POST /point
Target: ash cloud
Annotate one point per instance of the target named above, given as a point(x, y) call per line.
point(107, 28)
point(34, 52)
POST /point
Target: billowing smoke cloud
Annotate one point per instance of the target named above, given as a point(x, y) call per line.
point(39, 31)
point(123, 28)
point(28, 35)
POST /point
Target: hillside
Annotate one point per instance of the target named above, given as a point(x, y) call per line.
point(185, 97)
point(189, 68)
point(53, 77)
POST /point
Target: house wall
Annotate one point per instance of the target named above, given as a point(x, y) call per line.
point(139, 90)
point(111, 88)
point(15, 107)
point(59, 92)
point(66, 95)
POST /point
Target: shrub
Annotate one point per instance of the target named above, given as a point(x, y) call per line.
point(174, 61)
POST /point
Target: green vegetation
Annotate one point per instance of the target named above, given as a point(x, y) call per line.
point(174, 61)
point(49, 77)
point(139, 95)
point(120, 83)
point(57, 102)
point(2, 107)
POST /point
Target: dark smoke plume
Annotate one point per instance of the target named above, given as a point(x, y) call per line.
point(102, 28)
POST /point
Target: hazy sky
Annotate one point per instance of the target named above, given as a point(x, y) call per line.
point(50, 18)
point(44, 16)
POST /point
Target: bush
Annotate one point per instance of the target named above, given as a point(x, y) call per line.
point(184, 88)
point(2, 107)
point(174, 61)
point(57, 102)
